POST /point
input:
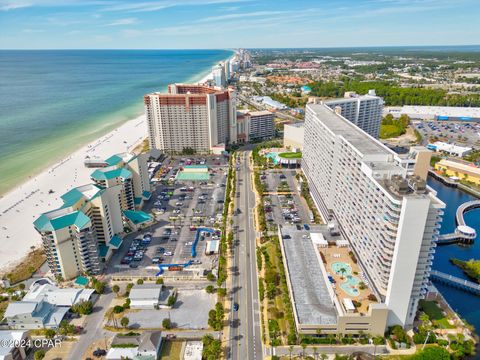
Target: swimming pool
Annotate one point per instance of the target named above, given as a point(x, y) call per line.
point(273, 156)
point(350, 285)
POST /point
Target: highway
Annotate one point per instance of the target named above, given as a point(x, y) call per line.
point(245, 335)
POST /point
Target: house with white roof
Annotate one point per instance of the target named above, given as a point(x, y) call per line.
point(9, 340)
point(139, 347)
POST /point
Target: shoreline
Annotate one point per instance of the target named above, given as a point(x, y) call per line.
point(21, 205)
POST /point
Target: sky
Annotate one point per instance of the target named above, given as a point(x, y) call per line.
point(185, 24)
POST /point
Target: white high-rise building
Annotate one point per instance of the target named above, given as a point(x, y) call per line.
point(255, 125)
point(194, 117)
point(390, 218)
point(226, 67)
point(218, 73)
point(365, 111)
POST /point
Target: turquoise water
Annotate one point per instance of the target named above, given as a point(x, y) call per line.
point(54, 101)
point(351, 282)
point(273, 156)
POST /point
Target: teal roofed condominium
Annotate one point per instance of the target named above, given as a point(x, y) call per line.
point(129, 171)
point(82, 233)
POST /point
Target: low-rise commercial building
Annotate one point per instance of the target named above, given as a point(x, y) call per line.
point(460, 170)
point(440, 113)
point(450, 149)
point(149, 296)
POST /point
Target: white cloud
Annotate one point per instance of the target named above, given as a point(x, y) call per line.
point(163, 4)
point(6, 5)
point(121, 22)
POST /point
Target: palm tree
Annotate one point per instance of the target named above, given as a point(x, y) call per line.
point(304, 346)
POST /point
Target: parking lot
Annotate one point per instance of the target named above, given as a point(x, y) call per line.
point(179, 208)
point(190, 312)
point(466, 133)
point(286, 206)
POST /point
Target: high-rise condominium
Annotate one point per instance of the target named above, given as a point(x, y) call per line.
point(193, 117)
point(80, 236)
point(365, 111)
point(219, 75)
point(389, 216)
point(130, 171)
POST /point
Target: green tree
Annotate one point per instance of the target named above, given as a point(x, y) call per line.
point(159, 281)
point(50, 333)
point(39, 355)
point(139, 281)
point(99, 287)
point(210, 289)
point(116, 289)
point(167, 323)
point(117, 309)
point(83, 308)
point(432, 353)
point(124, 322)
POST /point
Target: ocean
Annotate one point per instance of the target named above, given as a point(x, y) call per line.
point(54, 101)
point(467, 305)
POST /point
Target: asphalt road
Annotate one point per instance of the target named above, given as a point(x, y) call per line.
point(245, 335)
point(93, 327)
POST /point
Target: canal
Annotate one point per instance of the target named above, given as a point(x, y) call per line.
point(467, 305)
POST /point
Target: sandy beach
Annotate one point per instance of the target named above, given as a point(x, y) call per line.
point(21, 206)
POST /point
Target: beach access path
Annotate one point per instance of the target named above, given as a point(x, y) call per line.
point(21, 206)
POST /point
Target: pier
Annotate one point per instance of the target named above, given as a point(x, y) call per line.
point(463, 233)
point(453, 281)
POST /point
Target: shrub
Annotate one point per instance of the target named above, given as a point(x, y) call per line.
point(124, 322)
point(83, 308)
point(117, 309)
point(167, 323)
point(159, 281)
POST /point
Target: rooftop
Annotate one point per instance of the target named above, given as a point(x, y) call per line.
point(137, 217)
point(455, 111)
point(145, 292)
point(110, 173)
point(61, 218)
point(312, 301)
point(340, 126)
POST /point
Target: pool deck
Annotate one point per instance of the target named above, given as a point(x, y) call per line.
point(331, 256)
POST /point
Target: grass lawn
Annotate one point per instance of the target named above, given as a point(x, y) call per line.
point(290, 155)
point(171, 350)
point(27, 267)
point(390, 131)
point(435, 314)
